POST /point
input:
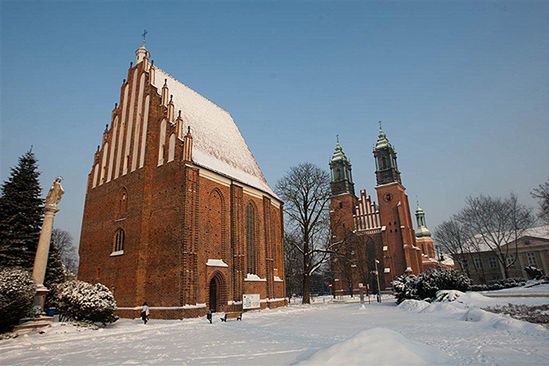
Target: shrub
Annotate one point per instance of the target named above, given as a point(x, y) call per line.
point(82, 301)
point(533, 273)
point(433, 280)
point(16, 296)
point(404, 287)
point(499, 284)
point(426, 285)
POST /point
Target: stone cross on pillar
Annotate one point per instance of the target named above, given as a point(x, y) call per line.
point(41, 259)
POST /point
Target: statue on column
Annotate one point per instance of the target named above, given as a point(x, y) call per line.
point(41, 259)
point(55, 193)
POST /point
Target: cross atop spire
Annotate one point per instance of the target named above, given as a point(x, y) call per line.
point(141, 53)
point(337, 139)
point(144, 41)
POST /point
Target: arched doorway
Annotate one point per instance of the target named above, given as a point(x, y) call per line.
point(216, 293)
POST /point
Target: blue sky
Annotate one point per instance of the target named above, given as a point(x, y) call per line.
point(462, 87)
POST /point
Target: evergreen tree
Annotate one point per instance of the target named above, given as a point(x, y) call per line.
point(55, 271)
point(21, 212)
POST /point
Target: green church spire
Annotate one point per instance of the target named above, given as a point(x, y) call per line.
point(341, 171)
point(382, 140)
point(386, 160)
point(338, 152)
point(422, 229)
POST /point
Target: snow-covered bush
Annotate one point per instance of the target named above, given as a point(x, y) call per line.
point(499, 284)
point(533, 273)
point(16, 296)
point(479, 287)
point(404, 287)
point(433, 280)
point(426, 285)
point(447, 295)
point(506, 283)
point(82, 301)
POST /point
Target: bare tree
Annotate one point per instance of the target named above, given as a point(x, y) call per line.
point(64, 243)
point(541, 193)
point(452, 238)
point(305, 191)
point(497, 224)
point(293, 260)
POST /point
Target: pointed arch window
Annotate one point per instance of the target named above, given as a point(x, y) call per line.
point(118, 242)
point(251, 239)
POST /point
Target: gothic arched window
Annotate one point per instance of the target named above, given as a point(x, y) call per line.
point(251, 239)
point(118, 243)
point(215, 227)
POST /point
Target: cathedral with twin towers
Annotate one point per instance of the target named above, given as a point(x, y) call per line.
point(375, 237)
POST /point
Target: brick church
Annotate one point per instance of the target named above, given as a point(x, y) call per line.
point(177, 211)
point(369, 232)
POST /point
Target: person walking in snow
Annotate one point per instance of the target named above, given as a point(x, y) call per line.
point(145, 313)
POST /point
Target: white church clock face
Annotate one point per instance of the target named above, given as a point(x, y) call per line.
point(388, 197)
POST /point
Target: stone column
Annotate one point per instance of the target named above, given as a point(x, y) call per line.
point(42, 251)
point(41, 258)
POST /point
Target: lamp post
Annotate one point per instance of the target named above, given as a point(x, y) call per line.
point(377, 279)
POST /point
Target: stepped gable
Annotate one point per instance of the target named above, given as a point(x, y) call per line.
point(217, 142)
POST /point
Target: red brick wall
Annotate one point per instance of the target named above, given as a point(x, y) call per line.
point(176, 219)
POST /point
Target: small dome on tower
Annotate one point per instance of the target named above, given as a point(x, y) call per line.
point(142, 53)
point(338, 152)
point(382, 140)
point(422, 229)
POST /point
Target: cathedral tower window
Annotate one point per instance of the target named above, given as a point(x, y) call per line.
point(251, 239)
point(118, 244)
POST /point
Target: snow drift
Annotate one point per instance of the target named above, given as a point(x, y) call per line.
point(377, 346)
point(464, 306)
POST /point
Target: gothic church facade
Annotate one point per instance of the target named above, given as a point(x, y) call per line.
point(375, 236)
point(177, 211)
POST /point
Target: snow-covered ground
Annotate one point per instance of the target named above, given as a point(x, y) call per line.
point(414, 333)
point(530, 290)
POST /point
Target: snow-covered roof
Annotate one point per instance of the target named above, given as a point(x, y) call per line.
point(217, 142)
point(541, 232)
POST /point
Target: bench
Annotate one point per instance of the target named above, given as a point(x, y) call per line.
point(232, 315)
